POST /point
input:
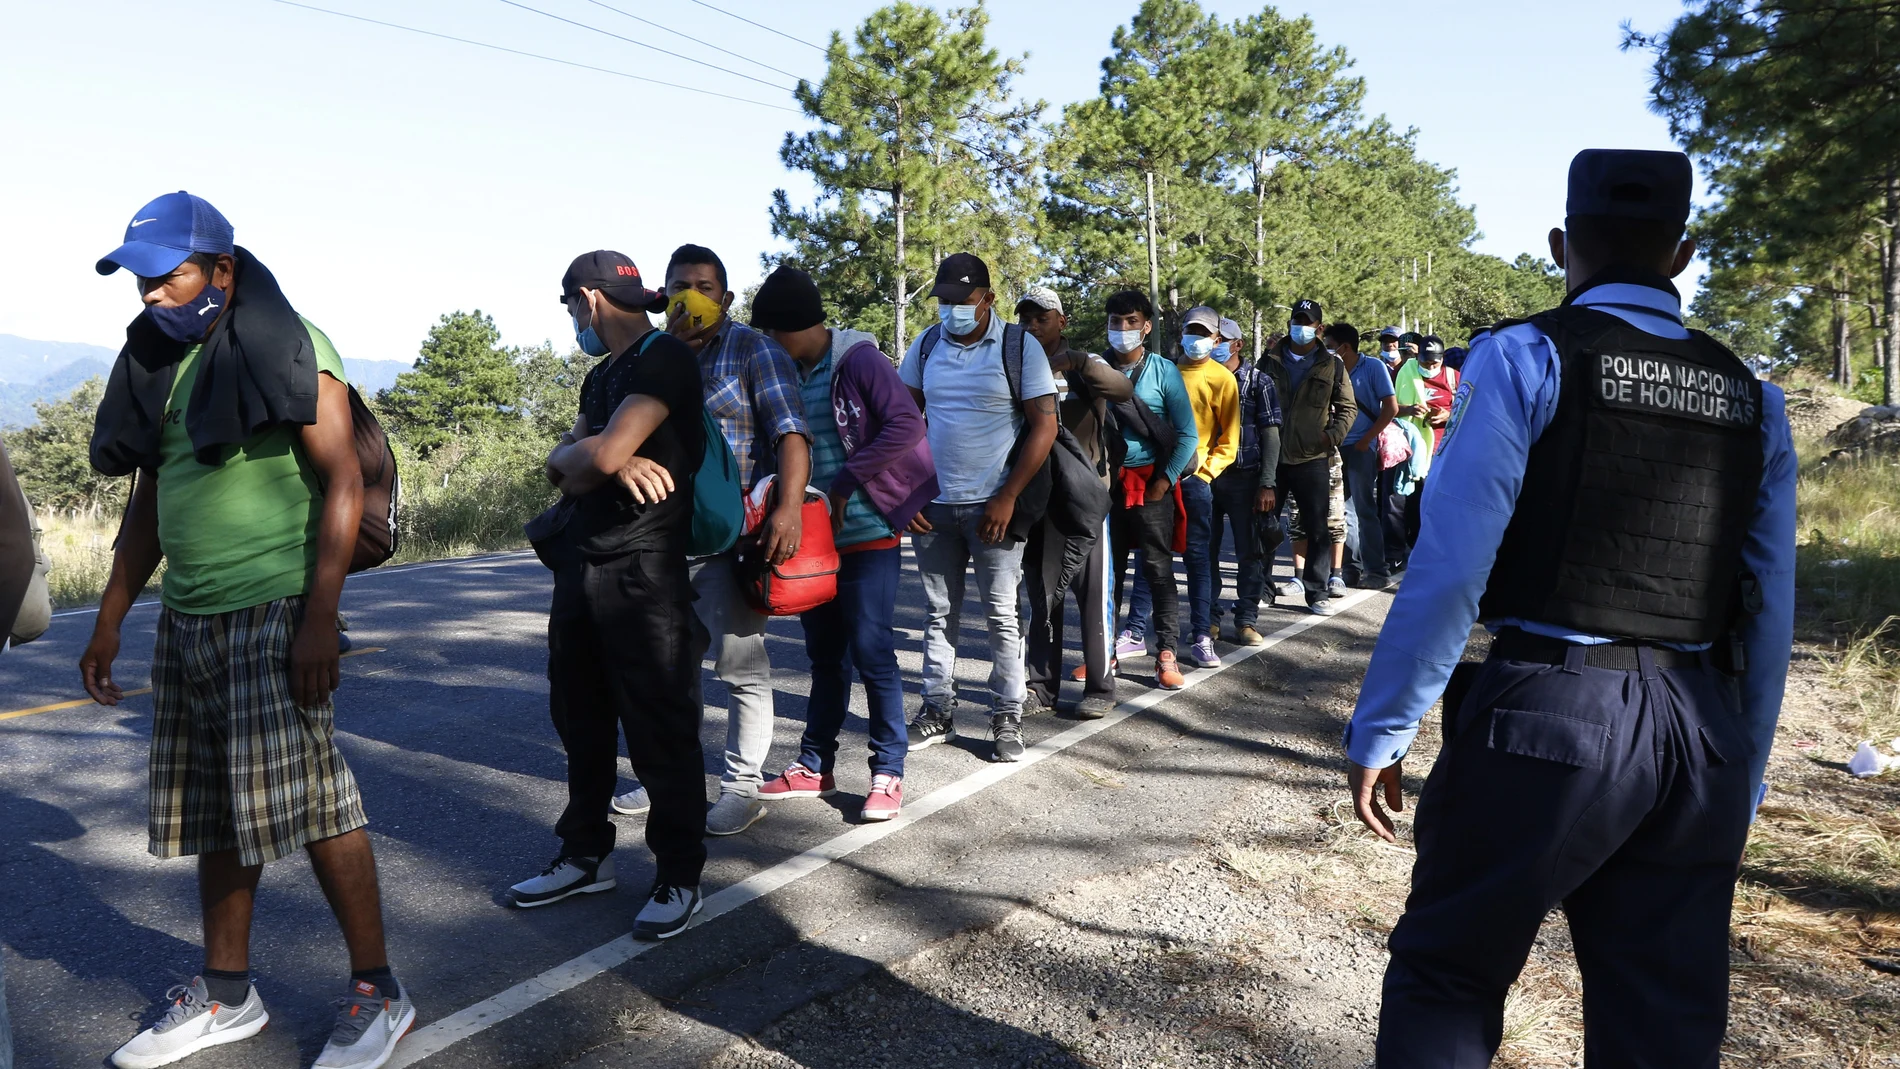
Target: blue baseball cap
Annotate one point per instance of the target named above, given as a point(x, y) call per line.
point(166, 231)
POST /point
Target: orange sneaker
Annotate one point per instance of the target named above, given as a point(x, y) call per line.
point(1168, 671)
point(1081, 673)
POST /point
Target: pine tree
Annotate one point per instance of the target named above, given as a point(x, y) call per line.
point(1793, 107)
point(464, 379)
point(920, 151)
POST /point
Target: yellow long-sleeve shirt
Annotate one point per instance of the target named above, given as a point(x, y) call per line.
point(1216, 399)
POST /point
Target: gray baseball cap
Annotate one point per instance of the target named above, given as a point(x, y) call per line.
point(1202, 316)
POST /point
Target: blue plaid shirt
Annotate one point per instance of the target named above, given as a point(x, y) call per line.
point(751, 386)
point(1259, 407)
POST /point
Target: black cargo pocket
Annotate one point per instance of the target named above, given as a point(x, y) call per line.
point(1549, 736)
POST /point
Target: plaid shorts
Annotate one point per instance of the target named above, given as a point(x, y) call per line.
point(236, 763)
point(1335, 507)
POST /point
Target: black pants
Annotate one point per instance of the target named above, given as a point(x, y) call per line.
point(1622, 795)
point(1392, 508)
point(1149, 527)
point(624, 648)
point(1309, 486)
point(1053, 565)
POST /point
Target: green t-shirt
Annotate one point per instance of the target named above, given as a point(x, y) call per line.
point(243, 532)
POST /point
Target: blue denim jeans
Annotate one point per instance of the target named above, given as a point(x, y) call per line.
point(1198, 497)
point(853, 630)
point(1141, 601)
point(1365, 526)
point(943, 553)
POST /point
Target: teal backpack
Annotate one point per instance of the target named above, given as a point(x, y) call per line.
point(718, 498)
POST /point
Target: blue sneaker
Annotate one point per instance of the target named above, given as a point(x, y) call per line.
point(1335, 587)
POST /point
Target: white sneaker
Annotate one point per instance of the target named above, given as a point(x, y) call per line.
point(192, 1023)
point(668, 911)
point(563, 877)
point(369, 1024)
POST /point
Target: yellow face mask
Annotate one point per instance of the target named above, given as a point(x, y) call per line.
point(700, 310)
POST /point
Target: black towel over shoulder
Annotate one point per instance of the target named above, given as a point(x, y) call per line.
point(258, 369)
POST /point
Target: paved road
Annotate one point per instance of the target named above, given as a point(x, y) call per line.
point(447, 730)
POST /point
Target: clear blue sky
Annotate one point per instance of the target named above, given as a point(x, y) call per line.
point(388, 178)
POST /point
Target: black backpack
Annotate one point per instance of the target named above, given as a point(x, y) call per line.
point(1067, 489)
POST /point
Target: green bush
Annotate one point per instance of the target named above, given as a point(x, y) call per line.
point(1847, 564)
point(472, 493)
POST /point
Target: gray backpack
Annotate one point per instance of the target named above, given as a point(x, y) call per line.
point(36, 612)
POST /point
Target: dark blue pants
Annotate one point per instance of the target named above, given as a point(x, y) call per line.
point(1197, 494)
point(854, 630)
point(1622, 796)
point(1234, 495)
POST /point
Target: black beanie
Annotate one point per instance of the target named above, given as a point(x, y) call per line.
point(787, 300)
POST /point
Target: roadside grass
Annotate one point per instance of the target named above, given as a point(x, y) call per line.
point(1847, 557)
point(79, 557)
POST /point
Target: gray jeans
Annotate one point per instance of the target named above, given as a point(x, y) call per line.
point(942, 555)
point(740, 662)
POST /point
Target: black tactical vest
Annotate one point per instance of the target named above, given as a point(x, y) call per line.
point(1638, 496)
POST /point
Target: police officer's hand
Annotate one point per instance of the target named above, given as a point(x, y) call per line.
point(1364, 784)
point(1265, 499)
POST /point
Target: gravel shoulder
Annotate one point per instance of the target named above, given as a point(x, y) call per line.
point(1263, 942)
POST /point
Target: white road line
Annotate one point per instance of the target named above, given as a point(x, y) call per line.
point(397, 570)
point(441, 1034)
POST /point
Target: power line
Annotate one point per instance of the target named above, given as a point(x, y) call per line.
point(763, 26)
point(689, 37)
point(536, 55)
point(644, 44)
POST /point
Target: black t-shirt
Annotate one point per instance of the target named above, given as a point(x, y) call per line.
point(608, 521)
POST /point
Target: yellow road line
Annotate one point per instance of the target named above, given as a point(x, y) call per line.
point(77, 702)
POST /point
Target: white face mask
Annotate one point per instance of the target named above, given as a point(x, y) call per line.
point(1124, 341)
point(1197, 346)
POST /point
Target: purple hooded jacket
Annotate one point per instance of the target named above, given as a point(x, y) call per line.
point(886, 454)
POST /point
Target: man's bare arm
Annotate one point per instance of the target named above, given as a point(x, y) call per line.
point(134, 558)
point(330, 443)
point(592, 462)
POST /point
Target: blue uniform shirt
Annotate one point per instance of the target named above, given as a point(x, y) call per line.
point(1508, 397)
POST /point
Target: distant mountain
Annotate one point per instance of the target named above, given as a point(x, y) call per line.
point(24, 360)
point(369, 376)
point(32, 370)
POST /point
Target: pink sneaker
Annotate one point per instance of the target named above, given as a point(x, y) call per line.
point(800, 782)
point(885, 799)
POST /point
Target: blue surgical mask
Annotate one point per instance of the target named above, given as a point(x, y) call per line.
point(1224, 352)
point(1197, 346)
point(957, 319)
point(1124, 341)
point(1301, 334)
point(589, 341)
point(191, 321)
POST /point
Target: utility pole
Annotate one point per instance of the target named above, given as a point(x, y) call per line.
point(1154, 254)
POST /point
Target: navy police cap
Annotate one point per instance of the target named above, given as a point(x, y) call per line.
point(1631, 183)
